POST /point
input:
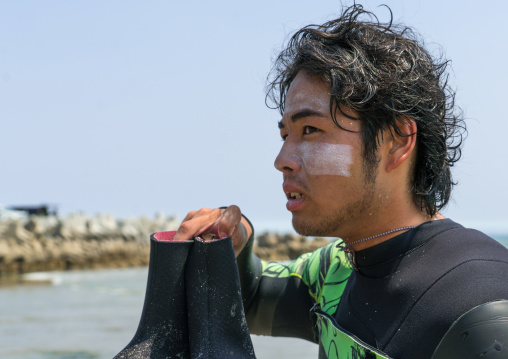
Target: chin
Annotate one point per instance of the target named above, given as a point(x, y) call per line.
point(310, 228)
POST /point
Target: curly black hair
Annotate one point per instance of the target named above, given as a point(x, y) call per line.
point(383, 72)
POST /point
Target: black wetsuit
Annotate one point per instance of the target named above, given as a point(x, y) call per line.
point(410, 289)
point(406, 295)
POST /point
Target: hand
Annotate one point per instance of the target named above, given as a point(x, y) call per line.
point(216, 223)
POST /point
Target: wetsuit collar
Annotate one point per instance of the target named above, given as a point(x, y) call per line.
point(383, 259)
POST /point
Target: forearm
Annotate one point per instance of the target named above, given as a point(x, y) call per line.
point(249, 269)
point(281, 307)
point(276, 301)
point(278, 297)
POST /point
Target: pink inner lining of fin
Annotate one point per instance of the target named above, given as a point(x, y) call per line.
point(169, 235)
point(164, 236)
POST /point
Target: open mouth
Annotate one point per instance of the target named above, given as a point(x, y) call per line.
point(294, 195)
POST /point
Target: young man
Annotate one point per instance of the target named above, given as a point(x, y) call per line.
point(370, 133)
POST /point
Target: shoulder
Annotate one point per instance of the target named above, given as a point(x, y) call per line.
point(452, 271)
point(462, 269)
point(452, 245)
point(456, 232)
point(465, 263)
point(324, 262)
point(327, 274)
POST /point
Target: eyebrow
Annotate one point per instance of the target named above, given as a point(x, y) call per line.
point(307, 112)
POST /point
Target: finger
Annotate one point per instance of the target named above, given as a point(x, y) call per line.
point(189, 215)
point(193, 214)
point(229, 221)
point(197, 224)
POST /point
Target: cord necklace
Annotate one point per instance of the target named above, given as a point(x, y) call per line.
point(350, 253)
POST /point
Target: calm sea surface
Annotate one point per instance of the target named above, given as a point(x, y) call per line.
point(93, 315)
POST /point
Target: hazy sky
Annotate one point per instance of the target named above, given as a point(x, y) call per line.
point(131, 107)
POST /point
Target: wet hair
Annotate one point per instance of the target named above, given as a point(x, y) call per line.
point(383, 72)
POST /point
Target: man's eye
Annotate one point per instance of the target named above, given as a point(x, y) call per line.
point(309, 129)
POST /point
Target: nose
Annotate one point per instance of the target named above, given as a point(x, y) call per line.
point(288, 161)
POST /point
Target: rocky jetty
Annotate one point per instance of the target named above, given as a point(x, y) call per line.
point(44, 243)
point(277, 247)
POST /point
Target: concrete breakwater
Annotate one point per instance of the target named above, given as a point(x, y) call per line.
point(45, 243)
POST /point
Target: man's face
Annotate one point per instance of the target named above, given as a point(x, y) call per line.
point(324, 180)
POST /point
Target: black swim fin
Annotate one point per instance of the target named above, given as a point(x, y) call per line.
point(162, 332)
point(193, 305)
point(217, 324)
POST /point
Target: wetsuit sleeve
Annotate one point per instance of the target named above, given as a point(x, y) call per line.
point(278, 297)
point(481, 332)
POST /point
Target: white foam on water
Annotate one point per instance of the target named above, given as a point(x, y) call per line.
point(51, 277)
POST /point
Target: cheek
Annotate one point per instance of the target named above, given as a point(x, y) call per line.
point(327, 158)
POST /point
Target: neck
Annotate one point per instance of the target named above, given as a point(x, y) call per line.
point(373, 240)
point(381, 233)
point(396, 211)
point(350, 247)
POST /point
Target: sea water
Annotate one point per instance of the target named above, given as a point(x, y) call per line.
point(93, 315)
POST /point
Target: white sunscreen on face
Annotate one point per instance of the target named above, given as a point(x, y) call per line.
point(320, 158)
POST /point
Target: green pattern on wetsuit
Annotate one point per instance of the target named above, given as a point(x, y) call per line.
point(324, 271)
point(336, 344)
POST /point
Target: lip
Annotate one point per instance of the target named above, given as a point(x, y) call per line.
point(293, 204)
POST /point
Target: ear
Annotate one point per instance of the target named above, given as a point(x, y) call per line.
point(401, 147)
